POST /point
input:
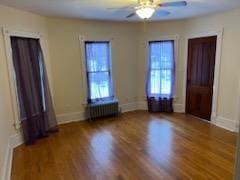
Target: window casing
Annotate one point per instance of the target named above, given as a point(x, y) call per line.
point(98, 68)
point(160, 69)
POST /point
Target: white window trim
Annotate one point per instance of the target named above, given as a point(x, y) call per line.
point(160, 69)
point(82, 40)
point(174, 38)
point(8, 33)
point(219, 34)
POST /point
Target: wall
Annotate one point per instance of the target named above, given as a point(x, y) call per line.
point(17, 20)
point(227, 106)
point(159, 31)
point(228, 95)
point(129, 51)
point(66, 60)
point(129, 61)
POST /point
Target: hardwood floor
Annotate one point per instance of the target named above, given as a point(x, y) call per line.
point(134, 146)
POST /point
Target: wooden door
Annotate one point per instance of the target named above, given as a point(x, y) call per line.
point(200, 76)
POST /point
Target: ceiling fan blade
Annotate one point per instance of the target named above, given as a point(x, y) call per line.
point(131, 15)
point(173, 4)
point(162, 13)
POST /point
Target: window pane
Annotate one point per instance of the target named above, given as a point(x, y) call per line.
point(161, 67)
point(160, 82)
point(155, 81)
point(97, 56)
point(165, 82)
point(99, 85)
point(161, 55)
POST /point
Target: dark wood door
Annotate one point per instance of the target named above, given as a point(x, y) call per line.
point(200, 76)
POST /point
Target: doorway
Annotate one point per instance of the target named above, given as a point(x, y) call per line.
point(200, 76)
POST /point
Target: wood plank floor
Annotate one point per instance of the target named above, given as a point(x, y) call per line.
point(135, 146)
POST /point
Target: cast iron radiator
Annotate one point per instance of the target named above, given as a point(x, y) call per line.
point(102, 109)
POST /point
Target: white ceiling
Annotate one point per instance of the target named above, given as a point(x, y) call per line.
point(97, 9)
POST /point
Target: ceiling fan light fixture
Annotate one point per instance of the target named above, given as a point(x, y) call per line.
point(145, 12)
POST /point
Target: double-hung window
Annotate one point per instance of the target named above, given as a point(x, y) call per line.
point(98, 66)
point(161, 69)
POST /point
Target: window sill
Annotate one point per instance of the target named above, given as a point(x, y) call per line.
point(109, 101)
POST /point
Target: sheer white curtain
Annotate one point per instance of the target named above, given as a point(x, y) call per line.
point(161, 75)
point(98, 71)
point(161, 69)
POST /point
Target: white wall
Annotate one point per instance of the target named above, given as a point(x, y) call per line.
point(17, 20)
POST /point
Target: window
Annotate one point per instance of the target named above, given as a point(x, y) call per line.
point(98, 71)
point(161, 69)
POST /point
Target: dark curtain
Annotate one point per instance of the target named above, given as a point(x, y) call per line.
point(36, 108)
point(160, 104)
point(161, 75)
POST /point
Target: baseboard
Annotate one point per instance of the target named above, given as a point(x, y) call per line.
point(6, 172)
point(13, 142)
point(129, 107)
point(70, 117)
point(178, 108)
point(222, 122)
point(226, 123)
point(80, 116)
point(142, 105)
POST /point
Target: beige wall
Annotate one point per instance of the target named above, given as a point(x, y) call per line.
point(230, 58)
point(159, 31)
point(128, 59)
point(129, 52)
point(66, 59)
point(17, 20)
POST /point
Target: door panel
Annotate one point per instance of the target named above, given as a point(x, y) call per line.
point(200, 76)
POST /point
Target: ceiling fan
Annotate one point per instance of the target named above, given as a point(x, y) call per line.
point(146, 8)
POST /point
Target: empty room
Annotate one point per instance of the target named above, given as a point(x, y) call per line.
point(119, 89)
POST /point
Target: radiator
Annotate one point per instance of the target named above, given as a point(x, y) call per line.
point(102, 109)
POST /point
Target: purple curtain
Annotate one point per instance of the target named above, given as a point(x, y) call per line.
point(161, 75)
point(36, 108)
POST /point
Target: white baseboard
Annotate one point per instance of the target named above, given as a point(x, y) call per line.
point(142, 105)
point(13, 142)
point(129, 107)
point(80, 116)
point(6, 172)
point(226, 123)
point(178, 108)
point(222, 122)
point(70, 117)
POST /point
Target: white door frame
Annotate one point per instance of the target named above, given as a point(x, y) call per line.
point(237, 160)
point(219, 34)
point(8, 33)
